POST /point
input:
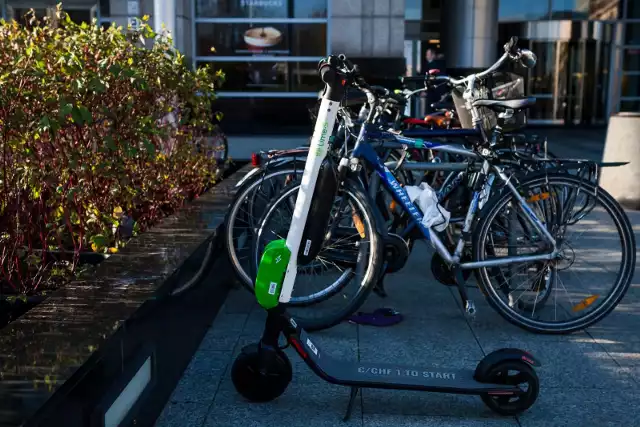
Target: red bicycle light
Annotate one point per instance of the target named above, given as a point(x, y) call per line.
point(255, 160)
point(434, 71)
point(344, 82)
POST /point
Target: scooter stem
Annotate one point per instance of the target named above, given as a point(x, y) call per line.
point(317, 152)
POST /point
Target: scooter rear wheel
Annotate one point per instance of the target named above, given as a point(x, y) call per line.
point(261, 375)
point(516, 373)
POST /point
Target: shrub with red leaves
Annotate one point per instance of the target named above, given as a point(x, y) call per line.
point(84, 153)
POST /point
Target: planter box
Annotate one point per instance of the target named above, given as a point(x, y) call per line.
point(67, 361)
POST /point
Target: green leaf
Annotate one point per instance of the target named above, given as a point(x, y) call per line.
point(111, 145)
point(97, 85)
point(99, 240)
point(86, 114)
point(76, 116)
point(151, 149)
point(65, 110)
point(44, 124)
point(115, 69)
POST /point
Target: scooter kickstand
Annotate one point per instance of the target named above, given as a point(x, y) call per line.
point(352, 400)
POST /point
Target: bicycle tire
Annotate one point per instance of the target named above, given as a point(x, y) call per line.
point(623, 279)
point(245, 190)
point(357, 193)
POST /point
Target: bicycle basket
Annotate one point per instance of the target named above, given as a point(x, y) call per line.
point(503, 86)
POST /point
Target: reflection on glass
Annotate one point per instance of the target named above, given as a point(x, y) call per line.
point(261, 8)
point(269, 76)
point(18, 14)
point(630, 106)
point(604, 9)
point(632, 33)
point(541, 77)
point(256, 39)
point(569, 9)
point(630, 85)
point(543, 109)
point(413, 10)
point(79, 16)
point(578, 76)
point(563, 82)
point(633, 9)
point(523, 10)
point(631, 60)
point(602, 89)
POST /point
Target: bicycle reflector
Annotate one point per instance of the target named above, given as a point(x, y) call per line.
point(255, 160)
point(585, 303)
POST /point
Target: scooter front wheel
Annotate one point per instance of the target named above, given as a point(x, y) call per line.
point(515, 373)
point(260, 374)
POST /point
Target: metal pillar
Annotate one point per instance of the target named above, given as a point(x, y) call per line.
point(164, 12)
point(469, 33)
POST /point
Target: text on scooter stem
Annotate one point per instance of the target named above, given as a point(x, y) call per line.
point(407, 373)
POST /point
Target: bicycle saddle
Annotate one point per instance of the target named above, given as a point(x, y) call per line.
point(503, 104)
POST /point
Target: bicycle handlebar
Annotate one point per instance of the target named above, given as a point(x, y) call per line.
point(511, 52)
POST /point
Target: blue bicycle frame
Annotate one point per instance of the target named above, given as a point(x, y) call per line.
point(363, 150)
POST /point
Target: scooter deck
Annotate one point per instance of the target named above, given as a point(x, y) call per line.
point(391, 376)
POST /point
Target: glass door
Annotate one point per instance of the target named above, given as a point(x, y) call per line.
point(547, 82)
point(577, 75)
point(585, 96)
point(569, 82)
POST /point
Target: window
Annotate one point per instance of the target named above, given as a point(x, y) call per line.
point(569, 9)
point(631, 85)
point(263, 46)
point(627, 105)
point(523, 10)
point(79, 10)
point(413, 10)
point(261, 9)
point(631, 60)
point(248, 39)
point(269, 76)
point(632, 33)
point(633, 9)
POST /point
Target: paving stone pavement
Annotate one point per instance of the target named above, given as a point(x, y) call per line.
point(590, 378)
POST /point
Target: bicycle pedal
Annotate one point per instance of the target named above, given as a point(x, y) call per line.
point(470, 309)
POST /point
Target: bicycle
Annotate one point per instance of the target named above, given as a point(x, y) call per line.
point(274, 159)
point(488, 172)
point(505, 379)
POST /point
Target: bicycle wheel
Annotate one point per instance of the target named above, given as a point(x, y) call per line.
point(459, 199)
point(248, 206)
point(352, 247)
point(214, 144)
point(547, 303)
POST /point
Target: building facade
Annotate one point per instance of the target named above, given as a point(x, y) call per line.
point(588, 50)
